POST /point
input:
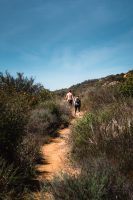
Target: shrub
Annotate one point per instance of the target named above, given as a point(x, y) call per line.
point(40, 121)
point(64, 113)
point(20, 83)
point(100, 97)
point(45, 95)
point(98, 184)
point(126, 89)
point(108, 132)
point(21, 130)
point(28, 154)
point(8, 179)
point(48, 117)
point(18, 147)
point(10, 184)
point(34, 93)
point(13, 118)
point(15, 146)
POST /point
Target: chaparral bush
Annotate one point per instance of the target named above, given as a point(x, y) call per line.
point(48, 117)
point(18, 147)
point(99, 97)
point(126, 88)
point(107, 132)
point(13, 118)
point(101, 183)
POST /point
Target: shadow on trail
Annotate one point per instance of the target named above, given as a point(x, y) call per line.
point(35, 184)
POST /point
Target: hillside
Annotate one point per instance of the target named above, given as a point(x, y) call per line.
point(100, 142)
point(90, 84)
point(40, 136)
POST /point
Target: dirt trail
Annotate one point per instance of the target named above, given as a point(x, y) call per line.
point(56, 155)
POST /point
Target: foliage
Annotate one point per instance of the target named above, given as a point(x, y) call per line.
point(29, 115)
point(34, 93)
point(8, 176)
point(20, 83)
point(10, 183)
point(100, 97)
point(108, 132)
point(82, 88)
point(48, 117)
point(126, 89)
point(28, 154)
point(13, 118)
point(18, 147)
point(101, 183)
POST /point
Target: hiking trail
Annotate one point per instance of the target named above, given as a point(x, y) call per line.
point(56, 154)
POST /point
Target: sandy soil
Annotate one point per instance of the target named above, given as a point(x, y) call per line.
point(56, 155)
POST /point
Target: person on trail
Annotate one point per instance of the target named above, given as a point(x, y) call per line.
point(69, 97)
point(77, 104)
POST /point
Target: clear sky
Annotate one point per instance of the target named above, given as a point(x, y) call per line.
point(64, 42)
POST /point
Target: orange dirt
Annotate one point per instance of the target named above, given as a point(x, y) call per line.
point(56, 155)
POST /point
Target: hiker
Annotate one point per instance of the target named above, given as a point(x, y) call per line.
point(69, 97)
point(77, 104)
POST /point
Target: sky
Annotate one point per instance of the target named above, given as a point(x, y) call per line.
point(65, 42)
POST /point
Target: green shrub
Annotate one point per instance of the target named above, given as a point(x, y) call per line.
point(16, 146)
point(45, 95)
point(41, 121)
point(98, 184)
point(126, 89)
point(13, 118)
point(48, 117)
point(23, 131)
point(108, 132)
point(34, 93)
point(100, 97)
point(28, 154)
point(18, 96)
point(20, 83)
point(10, 184)
point(65, 114)
point(8, 179)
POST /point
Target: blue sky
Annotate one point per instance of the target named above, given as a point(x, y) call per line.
point(64, 42)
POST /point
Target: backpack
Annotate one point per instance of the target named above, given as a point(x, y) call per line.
point(77, 102)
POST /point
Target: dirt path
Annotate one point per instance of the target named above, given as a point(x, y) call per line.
point(56, 155)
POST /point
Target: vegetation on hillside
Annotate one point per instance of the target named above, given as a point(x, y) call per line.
point(29, 116)
point(101, 144)
point(90, 85)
